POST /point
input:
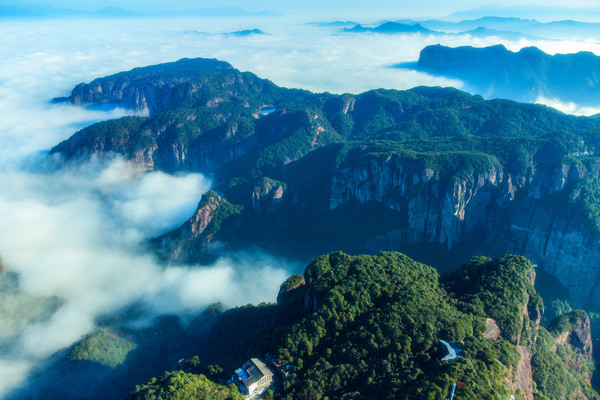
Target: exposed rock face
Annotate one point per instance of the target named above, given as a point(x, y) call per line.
point(436, 210)
point(267, 195)
point(581, 396)
point(201, 218)
point(491, 329)
point(507, 212)
point(312, 299)
point(523, 377)
point(534, 311)
point(579, 337)
point(182, 244)
point(221, 147)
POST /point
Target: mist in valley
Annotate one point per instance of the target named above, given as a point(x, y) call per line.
point(72, 236)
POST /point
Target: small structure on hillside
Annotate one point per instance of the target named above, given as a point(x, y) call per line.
point(453, 350)
point(266, 110)
point(254, 377)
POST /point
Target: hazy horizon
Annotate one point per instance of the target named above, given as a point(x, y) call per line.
point(337, 9)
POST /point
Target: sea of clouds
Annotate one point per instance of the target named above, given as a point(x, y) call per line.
point(73, 236)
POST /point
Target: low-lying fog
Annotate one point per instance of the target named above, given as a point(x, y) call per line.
point(73, 235)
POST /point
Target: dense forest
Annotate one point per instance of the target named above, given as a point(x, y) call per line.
point(369, 327)
point(181, 385)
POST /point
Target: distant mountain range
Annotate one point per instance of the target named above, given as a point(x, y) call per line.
point(482, 32)
point(333, 23)
point(248, 32)
point(527, 75)
point(392, 27)
point(242, 33)
point(415, 27)
point(508, 28)
point(525, 11)
point(553, 29)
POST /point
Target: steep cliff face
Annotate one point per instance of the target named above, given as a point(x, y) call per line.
point(184, 243)
point(522, 378)
point(437, 210)
point(229, 144)
point(487, 210)
point(504, 290)
point(509, 213)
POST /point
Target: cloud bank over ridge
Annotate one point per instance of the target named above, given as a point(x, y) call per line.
point(74, 236)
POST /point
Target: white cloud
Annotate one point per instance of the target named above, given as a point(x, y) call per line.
point(13, 371)
point(569, 108)
point(72, 235)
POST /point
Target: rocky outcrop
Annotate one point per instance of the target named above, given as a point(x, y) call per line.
point(577, 334)
point(492, 331)
point(202, 217)
point(267, 194)
point(185, 243)
point(522, 379)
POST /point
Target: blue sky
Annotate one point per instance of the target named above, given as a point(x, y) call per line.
point(331, 7)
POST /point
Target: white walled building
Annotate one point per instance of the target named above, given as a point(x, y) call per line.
point(254, 377)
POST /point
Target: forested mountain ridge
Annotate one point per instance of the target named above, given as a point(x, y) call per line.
point(369, 327)
point(434, 172)
point(146, 89)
